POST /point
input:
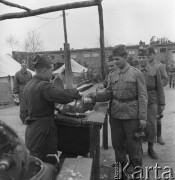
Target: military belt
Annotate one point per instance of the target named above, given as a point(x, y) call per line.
point(151, 89)
point(126, 99)
point(31, 120)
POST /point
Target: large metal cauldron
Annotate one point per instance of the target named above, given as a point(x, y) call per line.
point(72, 131)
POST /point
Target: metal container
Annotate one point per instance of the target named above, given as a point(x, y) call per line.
point(37, 170)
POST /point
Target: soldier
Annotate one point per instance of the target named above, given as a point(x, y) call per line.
point(21, 78)
point(111, 68)
point(159, 65)
point(164, 78)
point(171, 72)
point(156, 98)
point(128, 110)
point(40, 96)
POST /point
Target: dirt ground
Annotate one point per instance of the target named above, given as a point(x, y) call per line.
point(10, 115)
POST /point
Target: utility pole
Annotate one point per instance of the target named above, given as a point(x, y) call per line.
point(68, 68)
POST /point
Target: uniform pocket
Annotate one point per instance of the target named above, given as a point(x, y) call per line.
point(133, 109)
point(114, 84)
point(151, 81)
point(129, 84)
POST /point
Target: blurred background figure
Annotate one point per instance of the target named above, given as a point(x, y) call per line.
point(111, 67)
point(159, 65)
point(156, 98)
point(171, 73)
point(21, 78)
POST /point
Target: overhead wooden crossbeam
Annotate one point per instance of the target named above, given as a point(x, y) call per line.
point(29, 13)
point(14, 5)
point(45, 10)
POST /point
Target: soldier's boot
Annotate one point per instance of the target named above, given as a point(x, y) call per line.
point(160, 140)
point(159, 133)
point(151, 152)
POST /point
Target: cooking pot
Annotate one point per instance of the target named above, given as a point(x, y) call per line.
point(79, 106)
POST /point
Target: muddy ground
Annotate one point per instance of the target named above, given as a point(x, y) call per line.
point(10, 115)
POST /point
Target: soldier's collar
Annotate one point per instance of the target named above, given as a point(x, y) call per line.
point(24, 71)
point(37, 76)
point(124, 69)
point(153, 62)
point(146, 68)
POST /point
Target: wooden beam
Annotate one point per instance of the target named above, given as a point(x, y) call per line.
point(102, 46)
point(49, 9)
point(14, 5)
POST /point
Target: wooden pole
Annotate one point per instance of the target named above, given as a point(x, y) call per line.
point(68, 69)
point(102, 47)
point(105, 132)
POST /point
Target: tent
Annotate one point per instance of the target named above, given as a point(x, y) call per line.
point(76, 68)
point(8, 68)
point(6, 96)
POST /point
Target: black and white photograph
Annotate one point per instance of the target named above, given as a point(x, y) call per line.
point(87, 90)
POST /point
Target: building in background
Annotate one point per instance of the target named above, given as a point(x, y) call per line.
point(90, 57)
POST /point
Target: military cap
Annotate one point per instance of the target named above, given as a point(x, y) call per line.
point(24, 61)
point(143, 51)
point(119, 50)
point(151, 50)
point(42, 61)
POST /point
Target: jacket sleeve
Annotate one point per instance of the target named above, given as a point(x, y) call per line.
point(142, 96)
point(161, 95)
point(16, 84)
point(164, 75)
point(57, 95)
point(105, 95)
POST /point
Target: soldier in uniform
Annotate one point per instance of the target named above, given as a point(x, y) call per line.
point(40, 96)
point(111, 68)
point(164, 79)
point(159, 65)
point(128, 110)
point(156, 98)
point(21, 78)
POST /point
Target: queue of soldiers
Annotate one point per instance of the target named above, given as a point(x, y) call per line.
point(136, 104)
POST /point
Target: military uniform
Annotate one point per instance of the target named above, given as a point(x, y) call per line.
point(164, 78)
point(20, 80)
point(171, 71)
point(163, 72)
point(127, 92)
point(156, 99)
point(40, 96)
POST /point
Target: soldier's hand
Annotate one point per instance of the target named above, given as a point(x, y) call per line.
point(161, 109)
point(76, 93)
point(142, 124)
point(16, 96)
point(91, 95)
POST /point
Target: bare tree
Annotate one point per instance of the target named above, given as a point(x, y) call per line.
point(33, 43)
point(12, 41)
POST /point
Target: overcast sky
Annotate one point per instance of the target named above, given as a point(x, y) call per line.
point(125, 22)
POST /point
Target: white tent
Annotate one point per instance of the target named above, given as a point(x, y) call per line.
point(76, 68)
point(8, 68)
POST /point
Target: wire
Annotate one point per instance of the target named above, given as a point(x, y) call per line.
point(35, 29)
point(47, 17)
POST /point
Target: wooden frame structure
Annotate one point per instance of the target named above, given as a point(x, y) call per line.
point(28, 13)
point(95, 130)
